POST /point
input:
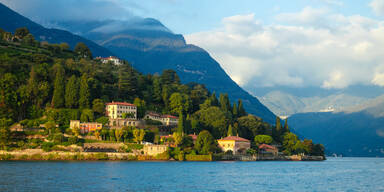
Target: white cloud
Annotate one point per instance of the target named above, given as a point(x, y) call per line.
point(377, 7)
point(378, 78)
point(313, 47)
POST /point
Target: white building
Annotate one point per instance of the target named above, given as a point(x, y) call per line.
point(169, 120)
point(112, 59)
point(115, 110)
point(164, 119)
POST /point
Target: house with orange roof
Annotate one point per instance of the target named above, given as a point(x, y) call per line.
point(268, 149)
point(236, 144)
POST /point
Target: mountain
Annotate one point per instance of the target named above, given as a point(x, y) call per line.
point(151, 48)
point(375, 107)
point(285, 104)
point(10, 21)
point(357, 131)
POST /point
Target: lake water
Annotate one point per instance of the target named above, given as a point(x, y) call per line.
point(344, 174)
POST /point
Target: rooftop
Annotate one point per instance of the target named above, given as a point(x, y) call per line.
point(121, 103)
point(265, 146)
point(235, 138)
point(194, 137)
point(170, 116)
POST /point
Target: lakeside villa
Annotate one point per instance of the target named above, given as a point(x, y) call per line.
point(236, 144)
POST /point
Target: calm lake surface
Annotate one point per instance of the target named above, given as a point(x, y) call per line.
point(343, 174)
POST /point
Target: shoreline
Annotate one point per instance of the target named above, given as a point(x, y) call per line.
point(112, 156)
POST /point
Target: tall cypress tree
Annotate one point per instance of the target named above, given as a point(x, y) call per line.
point(241, 109)
point(230, 131)
point(58, 91)
point(72, 93)
point(224, 102)
point(235, 112)
point(214, 101)
point(180, 125)
point(157, 90)
point(127, 83)
point(277, 130)
point(286, 128)
point(84, 92)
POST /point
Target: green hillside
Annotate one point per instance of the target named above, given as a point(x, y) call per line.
point(50, 84)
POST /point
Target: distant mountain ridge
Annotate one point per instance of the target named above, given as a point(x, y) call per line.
point(285, 104)
point(356, 131)
point(151, 48)
point(10, 21)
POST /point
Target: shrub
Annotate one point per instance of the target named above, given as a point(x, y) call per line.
point(198, 157)
point(100, 156)
point(47, 146)
point(5, 157)
point(73, 140)
point(163, 156)
point(134, 146)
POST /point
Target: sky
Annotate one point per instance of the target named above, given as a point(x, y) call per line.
point(331, 44)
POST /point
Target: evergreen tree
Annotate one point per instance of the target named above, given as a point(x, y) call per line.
point(141, 107)
point(87, 116)
point(187, 125)
point(241, 109)
point(230, 131)
point(235, 112)
point(5, 133)
point(277, 130)
point(286, 128)
point(127, 82)
point(169, 77)
point(180, 124)
point(98, 106)
point(84, 92)
point(214, 101)
point(33, 86)
point(224, 102)
point(58, 90)
point(157, 96)
point(83, 51)
point(72, 93)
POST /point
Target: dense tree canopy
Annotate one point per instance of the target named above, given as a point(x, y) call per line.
point(205, 143)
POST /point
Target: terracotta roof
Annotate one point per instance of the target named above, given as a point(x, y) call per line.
point(170, 116)
point(121, 103)
point(194, 137)
point(166, 136)
point(265, 146)
point(154, 114)
point(236, 138)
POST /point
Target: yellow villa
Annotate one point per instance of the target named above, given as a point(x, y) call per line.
point(236, 144)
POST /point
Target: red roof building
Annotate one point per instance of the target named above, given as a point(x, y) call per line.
point(121, 103)
point(236, 144)
point(194, 137)
point(264, 148)
point(234, 138)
